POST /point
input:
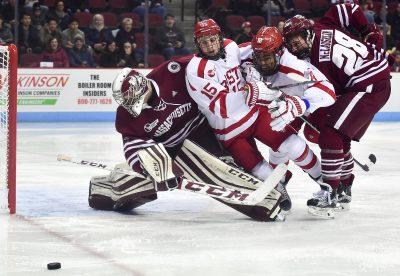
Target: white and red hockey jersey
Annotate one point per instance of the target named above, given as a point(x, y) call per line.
point(318, 94)
point(217, 88)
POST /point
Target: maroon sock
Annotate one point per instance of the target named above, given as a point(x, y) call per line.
point(331, 163)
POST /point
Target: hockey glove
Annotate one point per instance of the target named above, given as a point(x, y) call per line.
point(283, 112)
point(258, 93)
point(373, 35)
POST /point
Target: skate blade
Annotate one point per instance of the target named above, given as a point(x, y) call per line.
point(342, 207)
point(326, 213)
point(280, 217)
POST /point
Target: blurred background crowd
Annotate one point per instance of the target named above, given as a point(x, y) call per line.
point(132, 33)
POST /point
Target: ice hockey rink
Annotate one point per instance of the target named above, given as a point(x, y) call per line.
point(186, 234)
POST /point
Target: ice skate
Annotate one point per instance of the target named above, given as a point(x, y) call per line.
point(322, 204)
point(286, 202)
point(344, 198)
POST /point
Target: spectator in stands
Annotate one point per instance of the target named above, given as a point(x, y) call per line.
point(80, 55)
point(6, 35)
point(125, 33)
point(38, 17)
point(60, 15)
point(170, 39)
point(99, 35)
point(396, 64)
point(28, 38)
point(369, 13)
point(110, 57)
point(71, 33)
point(155, 6)
point(280, 26)
point(394, 20)
point(56, 54)
point(245, 35)
point(50, 31)
point(29, 6)
point(7, 11)
point(128, 58)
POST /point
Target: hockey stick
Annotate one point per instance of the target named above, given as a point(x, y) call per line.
point(300, 80)
point(227, 194)
point(371, 157)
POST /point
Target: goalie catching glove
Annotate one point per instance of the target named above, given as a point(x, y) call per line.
point(258, 93)
point(283, 112)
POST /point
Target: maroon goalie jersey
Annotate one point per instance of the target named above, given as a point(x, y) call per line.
point(350, 65)
point(170, 117)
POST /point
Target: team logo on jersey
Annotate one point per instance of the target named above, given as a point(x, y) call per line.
point(167, 124)
point(149, 126)
point(211, 72)
point(162, 105)
point(325, 45)
point(174, 67)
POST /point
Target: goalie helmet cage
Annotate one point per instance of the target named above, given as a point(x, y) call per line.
point(8, 124)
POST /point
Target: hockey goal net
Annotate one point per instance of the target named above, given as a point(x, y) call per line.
point(8, 114)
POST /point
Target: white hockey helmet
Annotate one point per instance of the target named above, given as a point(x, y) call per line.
point(130, 89)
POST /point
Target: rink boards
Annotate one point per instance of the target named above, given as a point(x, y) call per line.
point(85, 95)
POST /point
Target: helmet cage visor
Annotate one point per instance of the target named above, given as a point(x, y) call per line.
point(132, 99)
point(267, 63)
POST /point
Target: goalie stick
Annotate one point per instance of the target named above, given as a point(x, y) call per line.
point(234, 196)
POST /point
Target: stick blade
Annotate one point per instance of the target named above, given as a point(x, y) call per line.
point(265, 188)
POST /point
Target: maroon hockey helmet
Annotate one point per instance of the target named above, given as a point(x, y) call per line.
point(267, 47)
point(296, 28)
point(130, 89)
point(208, 39)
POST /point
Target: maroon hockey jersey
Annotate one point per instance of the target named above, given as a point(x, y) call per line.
point(171, 116)
point(350, 65)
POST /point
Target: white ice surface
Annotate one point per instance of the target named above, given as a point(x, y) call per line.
point(186, 234)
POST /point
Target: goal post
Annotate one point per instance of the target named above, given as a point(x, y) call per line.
point(8, 125)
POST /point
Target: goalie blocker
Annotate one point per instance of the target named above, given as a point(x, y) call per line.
point(191, 167)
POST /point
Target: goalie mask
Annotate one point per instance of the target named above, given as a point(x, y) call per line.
point(131, 89)
point(267, 47)
point(299, 36)
point(208, 39)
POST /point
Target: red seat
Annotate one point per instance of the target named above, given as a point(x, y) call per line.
point(302, 6)
point(155, 20)
point(118, 5)
point(392, 7)
point(97, 5)
point(256, 22)
point(377, 7)
point(50, 3)
point(276, 19)
point(234, 22)
point(155, 60)
point(139, 40)
point(219, 4)
point(84, 19)
point(31, 60)
point(110, 19)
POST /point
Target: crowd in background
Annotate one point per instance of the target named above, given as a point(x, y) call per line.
point(109, 33)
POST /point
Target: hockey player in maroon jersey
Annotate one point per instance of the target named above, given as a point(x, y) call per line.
point(360, 74)
point(156, 115)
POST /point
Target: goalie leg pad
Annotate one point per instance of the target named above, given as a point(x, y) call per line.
point(199, 165)
point(120, 192)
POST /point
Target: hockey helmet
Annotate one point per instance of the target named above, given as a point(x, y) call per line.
point(299, 35)
point(130, 89)
point(208, 39)
point(267, 47)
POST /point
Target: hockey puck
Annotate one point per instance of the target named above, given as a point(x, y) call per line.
point(53, 266)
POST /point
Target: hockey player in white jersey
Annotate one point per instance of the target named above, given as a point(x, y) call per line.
point(268, 61)
point(215, 82)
